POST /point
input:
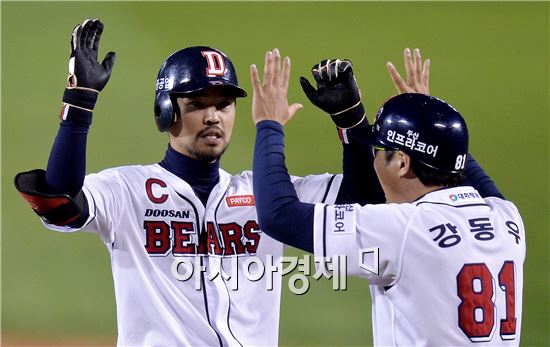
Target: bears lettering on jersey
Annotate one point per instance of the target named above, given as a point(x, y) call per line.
point(178, 237)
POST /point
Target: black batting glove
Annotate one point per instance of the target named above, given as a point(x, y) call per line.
point(87, 77)
point(337, 92)
point(84, 69)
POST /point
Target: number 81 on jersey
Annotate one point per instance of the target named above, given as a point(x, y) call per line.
point(477, 311)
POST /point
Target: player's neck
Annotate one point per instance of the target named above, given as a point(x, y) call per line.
point(408, 191)
point(189, 169)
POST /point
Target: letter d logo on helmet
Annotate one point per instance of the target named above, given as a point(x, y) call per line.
point(188, 71)
point(428, 129)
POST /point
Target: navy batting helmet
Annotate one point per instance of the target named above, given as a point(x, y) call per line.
point(428, 129)
point(188, 71)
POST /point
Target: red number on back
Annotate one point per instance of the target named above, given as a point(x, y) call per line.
point(506, 282)
point(477, 311)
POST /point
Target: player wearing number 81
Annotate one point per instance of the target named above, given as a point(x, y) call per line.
point(450, 258)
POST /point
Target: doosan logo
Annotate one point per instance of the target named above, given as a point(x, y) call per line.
point(240, 200)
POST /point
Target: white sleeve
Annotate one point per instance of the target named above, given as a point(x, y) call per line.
point(101, 191)
point(507, 210)
point(317, 188)
point(370, 237)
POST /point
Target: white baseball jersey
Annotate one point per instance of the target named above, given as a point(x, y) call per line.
point(154, 227)
point(445, 270)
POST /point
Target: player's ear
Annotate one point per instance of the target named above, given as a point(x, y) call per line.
point(404, 164)
point(175, 105)
point(176, 127)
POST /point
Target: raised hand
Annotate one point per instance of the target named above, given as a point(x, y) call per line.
point(418, 74)
point(336, 86)
point(270, 98)
point(337, 92)
point(84, 69)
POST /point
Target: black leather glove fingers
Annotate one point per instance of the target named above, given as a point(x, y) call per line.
point(84, 69)
point(337, 88)
point(327, 70)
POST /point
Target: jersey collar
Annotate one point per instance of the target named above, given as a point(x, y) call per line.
point(194, 172)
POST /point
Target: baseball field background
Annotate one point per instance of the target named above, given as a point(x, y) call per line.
point(489, 59)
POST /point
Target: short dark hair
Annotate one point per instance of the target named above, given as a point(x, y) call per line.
point(430, 176)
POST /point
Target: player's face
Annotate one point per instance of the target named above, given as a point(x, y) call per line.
point(205, 125)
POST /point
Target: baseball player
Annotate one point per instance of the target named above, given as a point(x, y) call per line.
point(183, 233)
point(444, 261)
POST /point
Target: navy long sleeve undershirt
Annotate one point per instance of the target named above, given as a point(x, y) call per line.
point(280, 214)
point(67, 163)
point(360, 184)
point(477, 178)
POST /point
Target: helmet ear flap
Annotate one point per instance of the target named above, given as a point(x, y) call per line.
point(164, 111)
point(175, 106)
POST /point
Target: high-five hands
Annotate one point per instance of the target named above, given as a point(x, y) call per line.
point(337, 92)
point(418, 74)
point(270, 98)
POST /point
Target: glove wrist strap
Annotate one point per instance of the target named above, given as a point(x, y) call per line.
point(356, 124)
point(84, 98)
point(349, 117)
point(78, 104)
point(356, 133)
point(347, 109)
